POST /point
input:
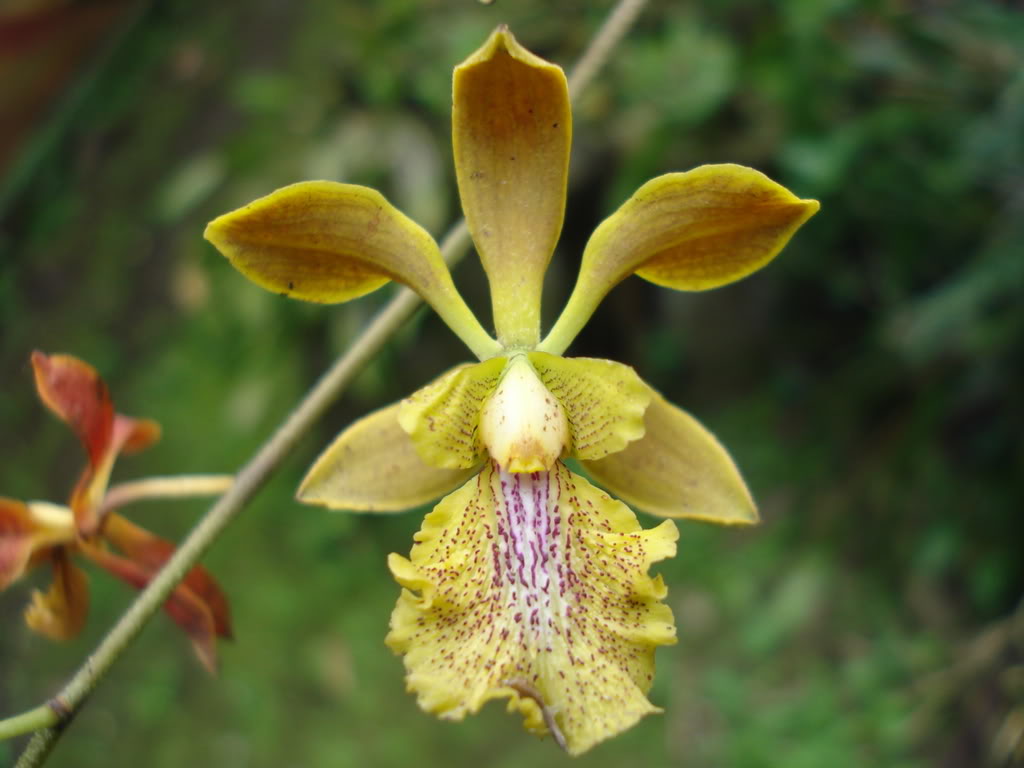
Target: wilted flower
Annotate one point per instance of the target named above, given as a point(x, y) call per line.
point(39, 532)
point(526, 582)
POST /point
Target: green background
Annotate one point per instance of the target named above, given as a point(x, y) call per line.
point(868, 383)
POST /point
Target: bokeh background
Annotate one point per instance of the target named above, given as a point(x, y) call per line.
point(869, 383)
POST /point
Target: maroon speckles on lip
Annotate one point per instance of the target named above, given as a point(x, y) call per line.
point(534, 582)
point(529, 552)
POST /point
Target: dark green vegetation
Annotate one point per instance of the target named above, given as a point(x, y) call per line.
point(869, 383)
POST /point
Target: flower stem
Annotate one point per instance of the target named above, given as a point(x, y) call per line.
point(608, 36)
point(35, 719)
point(259, 469)
point(175, 487)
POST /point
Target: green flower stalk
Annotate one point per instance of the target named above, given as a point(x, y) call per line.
point(525, 582)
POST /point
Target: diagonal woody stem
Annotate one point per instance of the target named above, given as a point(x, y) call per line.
point(603, 43)
point(269, 457)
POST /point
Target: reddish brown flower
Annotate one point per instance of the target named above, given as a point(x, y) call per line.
point(37, 532)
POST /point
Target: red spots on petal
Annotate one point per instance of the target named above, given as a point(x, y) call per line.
point(552, 602)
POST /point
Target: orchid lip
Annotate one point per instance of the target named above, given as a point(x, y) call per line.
point(534, 586)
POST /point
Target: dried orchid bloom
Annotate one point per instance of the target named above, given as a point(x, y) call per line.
point(37, 532)
point(525, 582)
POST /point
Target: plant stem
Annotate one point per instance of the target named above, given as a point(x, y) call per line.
point(35, 719)
point(174, 487)
point(608, 36)
point(259, 469)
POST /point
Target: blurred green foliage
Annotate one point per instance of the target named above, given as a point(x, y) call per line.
point(869, 383)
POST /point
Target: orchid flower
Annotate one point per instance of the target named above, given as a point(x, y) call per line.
point(38, 532)
point(525, 582)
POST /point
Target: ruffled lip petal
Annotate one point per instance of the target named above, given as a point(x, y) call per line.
point(689, 231)
point(327, 242)
point(534, 587)
point(677, 470)
point(511, 132)
point(373, 466)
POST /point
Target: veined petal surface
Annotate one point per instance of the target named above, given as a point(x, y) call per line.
point(678, 469)
point(534, 587)
point(603, 400)
point(443, 418)
point(511, 131)
point(373, 466)
point(328, 242)
point(690, 231)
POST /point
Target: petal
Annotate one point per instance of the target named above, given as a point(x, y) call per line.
point(60, 612)
point(689, 231)
point(152, 552)
point(604, 401)
point(16, 540)
point(511, 130)
point(677, 470)
point(129, 435)
point(327, 242)
point(373, 467)
point(194, 616)
point(134, 435)
point(534, 587)
point(87, 496)
point(185, 607)
point(74, 391)
point(28, 529)
point(443, 418)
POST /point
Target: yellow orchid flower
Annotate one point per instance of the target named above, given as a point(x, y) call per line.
point(525, 582)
